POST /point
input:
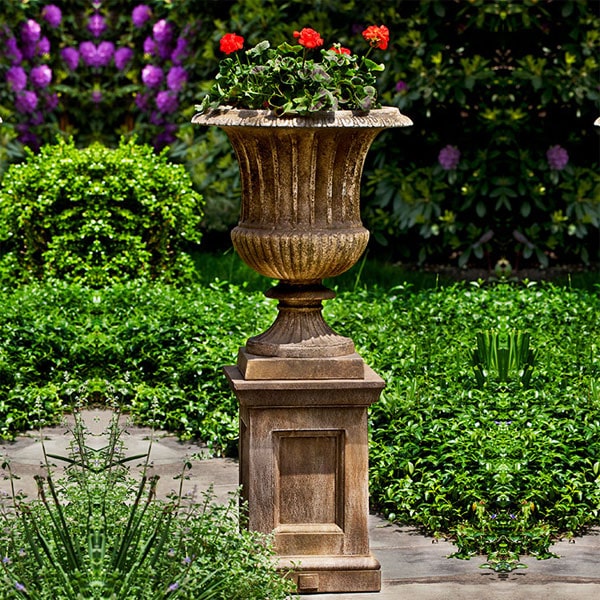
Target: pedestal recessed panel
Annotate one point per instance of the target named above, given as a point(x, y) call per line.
point(309, 496)
point(310, 470)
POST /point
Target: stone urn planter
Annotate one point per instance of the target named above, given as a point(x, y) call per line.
point(303, 391)
point(300, 215)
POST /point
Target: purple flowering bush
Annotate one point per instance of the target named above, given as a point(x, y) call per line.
point(96, 70)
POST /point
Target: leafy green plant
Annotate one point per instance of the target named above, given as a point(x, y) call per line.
point(97, 215)
point(503, 355)
point(499, 467)
point(100, 533)
point(158, 350)
point(475, 96)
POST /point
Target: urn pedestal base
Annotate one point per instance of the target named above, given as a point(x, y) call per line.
point(304, 474)
point(299, 331)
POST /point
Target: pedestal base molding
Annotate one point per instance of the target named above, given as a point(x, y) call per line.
point(326, 574)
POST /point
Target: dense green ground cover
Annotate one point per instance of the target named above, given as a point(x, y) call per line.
point(501, 462)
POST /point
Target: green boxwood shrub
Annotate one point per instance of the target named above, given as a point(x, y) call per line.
point(97, 215)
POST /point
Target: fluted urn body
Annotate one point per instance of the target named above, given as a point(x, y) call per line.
point(300, 215)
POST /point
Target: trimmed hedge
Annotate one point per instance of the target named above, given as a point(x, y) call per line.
point(97, 215)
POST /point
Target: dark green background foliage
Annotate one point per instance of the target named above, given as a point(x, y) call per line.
point(97, 215)
point(503, 81)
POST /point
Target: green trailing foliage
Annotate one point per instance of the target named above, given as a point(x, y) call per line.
point(97, 215)
point(99, 532)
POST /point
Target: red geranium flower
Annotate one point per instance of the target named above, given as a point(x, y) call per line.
point(340, 49)
point(231, 42)
point(308, 38)
point(378, 37)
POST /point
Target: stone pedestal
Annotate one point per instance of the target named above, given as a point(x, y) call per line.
point(304, 474)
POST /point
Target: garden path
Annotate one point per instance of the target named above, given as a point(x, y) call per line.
point(414, 566)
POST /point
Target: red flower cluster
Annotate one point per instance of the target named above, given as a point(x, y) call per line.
point(308, 38)
point(231, 42)
point(378, 37)
point(340, 49)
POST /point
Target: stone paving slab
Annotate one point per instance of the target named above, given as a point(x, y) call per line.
point(414, 566)
point(487, 591)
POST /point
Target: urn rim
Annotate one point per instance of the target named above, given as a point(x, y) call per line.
point(228, 116)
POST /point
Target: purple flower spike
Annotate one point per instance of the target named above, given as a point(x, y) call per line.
point(122, 57)
point(13, 52)
point(156, 118)
point(105, 53)
point(51, 102)
point(96, 56)
point(176, 78)
point(41, 76)
point(141, 101)
point(180, 51)
point(43, 46)
point(558, 157)
point(52, 15)
point(401, 86)
point(31, 31)
point(140, 15)
point(88, 53)
point(26, 102)
point(449, 158)
point(164, 50)
point(28, 50)
point(162, 31)
point(96, 96)
point(149, 46)
point(16, 78)
point(70, 57)
point(96, 25)
point(19, 587)
point(166, 102)
point(152, 76)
